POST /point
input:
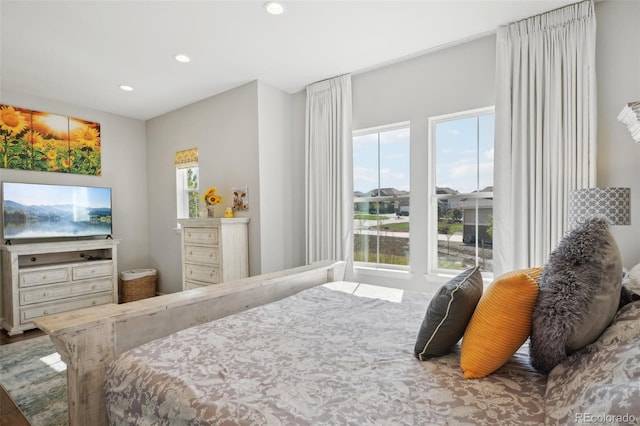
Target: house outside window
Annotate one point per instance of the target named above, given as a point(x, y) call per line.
point(461, 193)
point(381, 196)
point(187, 184)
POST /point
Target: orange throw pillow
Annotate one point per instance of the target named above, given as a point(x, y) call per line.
point(500, 324)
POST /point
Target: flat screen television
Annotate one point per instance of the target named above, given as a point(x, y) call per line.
point(31, 211)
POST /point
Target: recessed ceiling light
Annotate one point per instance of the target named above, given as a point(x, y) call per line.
point(274, 8)
point(126, 88)
point(181, 57)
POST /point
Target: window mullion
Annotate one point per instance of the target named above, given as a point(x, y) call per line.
point(378, 206)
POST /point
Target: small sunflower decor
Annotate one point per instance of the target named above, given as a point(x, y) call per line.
point(211, 198)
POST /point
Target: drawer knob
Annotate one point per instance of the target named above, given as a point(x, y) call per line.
point(46, 312)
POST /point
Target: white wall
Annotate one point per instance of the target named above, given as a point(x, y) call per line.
point(277, 182)
point(297, 227)
point(455, 79)
point(244, 138)
point(253, 135)
point(224, 128)
point(618, 75)
point(124, 169)
point(462, 77)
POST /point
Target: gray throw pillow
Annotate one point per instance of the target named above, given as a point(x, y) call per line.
point(448, 314)
point(579, 294)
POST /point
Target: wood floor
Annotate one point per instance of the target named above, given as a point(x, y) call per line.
point(10, 415)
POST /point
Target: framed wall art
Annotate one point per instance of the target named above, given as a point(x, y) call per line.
point(41, 141)
point(240, 198)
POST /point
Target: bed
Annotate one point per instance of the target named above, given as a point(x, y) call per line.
point(297, 347)
point(322, 356)
point(89, 339)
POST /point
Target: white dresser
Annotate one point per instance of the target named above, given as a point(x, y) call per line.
point(40, 279)
point(214, 250)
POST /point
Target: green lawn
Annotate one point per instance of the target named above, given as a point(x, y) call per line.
point(369, 217)
point(401, 226)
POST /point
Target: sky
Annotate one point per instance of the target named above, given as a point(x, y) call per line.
point(394, 161)
point(464, 153)
point(460, 145)
point(38, 195)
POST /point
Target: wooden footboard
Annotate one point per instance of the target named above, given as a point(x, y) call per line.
point(89, 339)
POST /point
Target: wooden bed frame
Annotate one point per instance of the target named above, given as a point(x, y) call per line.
point(89, 339)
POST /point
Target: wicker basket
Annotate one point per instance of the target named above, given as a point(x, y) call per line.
point(137, 288)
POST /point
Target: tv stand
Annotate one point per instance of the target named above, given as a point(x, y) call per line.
point(40, 279)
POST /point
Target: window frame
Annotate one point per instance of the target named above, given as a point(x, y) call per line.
point(377, 265)
point(432, 210)
point(183, 191)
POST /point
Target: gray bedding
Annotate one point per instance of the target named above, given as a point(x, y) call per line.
point(321, 357)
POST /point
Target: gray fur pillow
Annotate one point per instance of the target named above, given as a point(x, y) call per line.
point(579, 294)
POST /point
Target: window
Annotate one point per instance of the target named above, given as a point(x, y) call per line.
point(461, 227)
point(187, 184)
point(381, 196)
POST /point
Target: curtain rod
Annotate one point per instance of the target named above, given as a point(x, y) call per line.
point(559, 8)
point(328, 78)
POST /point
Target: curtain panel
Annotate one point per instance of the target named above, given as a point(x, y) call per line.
point(545, 130)
point(329, 171)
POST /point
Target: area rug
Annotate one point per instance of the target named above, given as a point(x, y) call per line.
point(36, 380)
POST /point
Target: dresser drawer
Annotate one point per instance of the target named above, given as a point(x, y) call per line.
point(201, 254)
point(41, 277)
point(92, 271)
point(31, 313)
point(60, 291)
point(190, 285)
point(202, 273)
point(201, 235)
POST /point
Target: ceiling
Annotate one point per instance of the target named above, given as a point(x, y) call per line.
point(80, 52)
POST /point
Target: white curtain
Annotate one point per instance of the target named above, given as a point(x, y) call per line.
point(329, 176)
point(545, 130)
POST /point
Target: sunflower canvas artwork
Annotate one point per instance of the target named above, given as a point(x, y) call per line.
point(41, 141)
